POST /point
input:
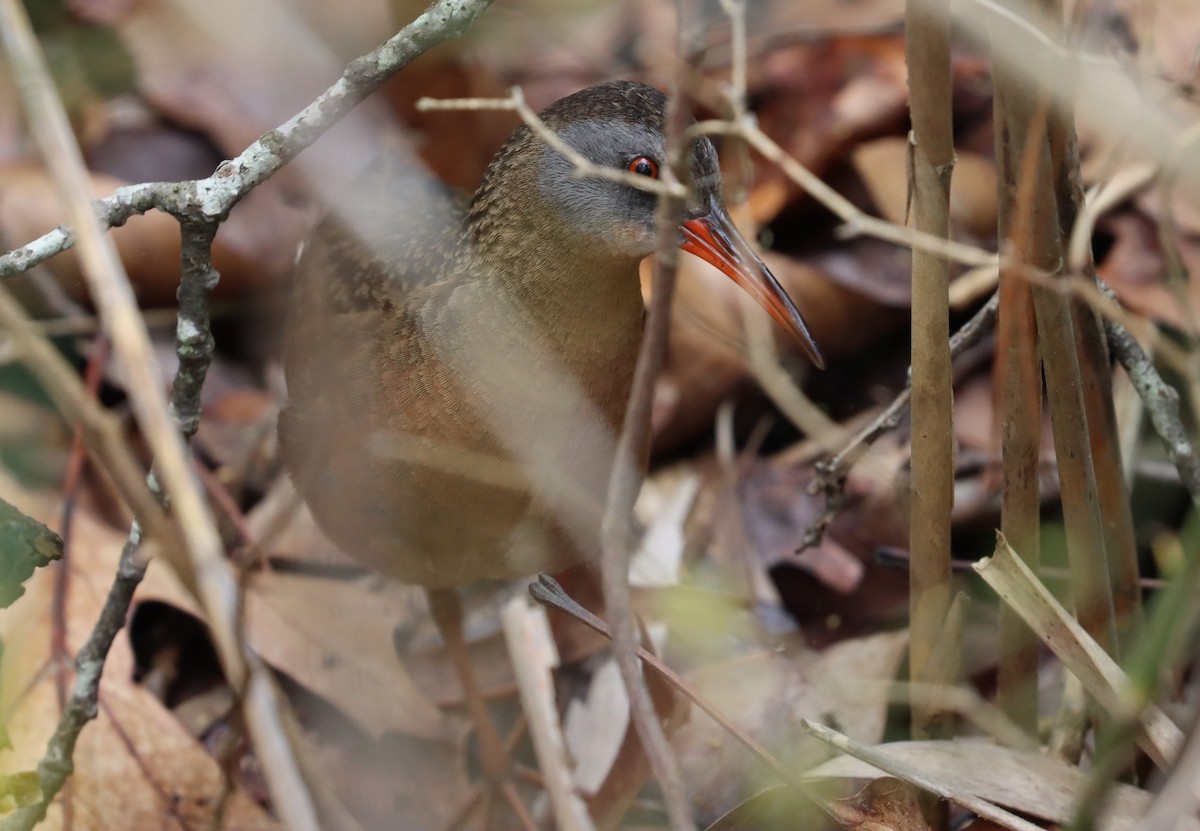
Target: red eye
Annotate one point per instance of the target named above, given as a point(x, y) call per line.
point(644, 166)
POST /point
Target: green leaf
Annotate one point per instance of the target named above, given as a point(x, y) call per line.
point(25, 544)
point(19, 790)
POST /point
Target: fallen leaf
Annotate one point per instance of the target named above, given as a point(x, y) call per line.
point(136, 766)
point(767, 694)
point(886, 804)
point(595, 726)
point(1134, 266)
point(335, 638)
point(883, 166)
point(25, 545)
point(1032, 783)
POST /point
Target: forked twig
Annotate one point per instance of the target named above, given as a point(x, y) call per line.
point(831, 473)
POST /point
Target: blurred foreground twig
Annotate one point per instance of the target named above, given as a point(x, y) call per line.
point(200, 206)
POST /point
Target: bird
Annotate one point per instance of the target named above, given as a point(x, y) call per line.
point(457, 372)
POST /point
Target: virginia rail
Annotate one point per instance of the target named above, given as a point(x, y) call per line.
point(457, 375)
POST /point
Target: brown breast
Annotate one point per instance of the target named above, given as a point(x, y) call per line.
point(447, 422)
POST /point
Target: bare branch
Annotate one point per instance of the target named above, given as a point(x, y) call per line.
point(831, 474)
point(213, 197)
point(1162, 403)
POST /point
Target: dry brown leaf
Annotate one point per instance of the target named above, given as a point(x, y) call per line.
point(231, 82)
point(768, 693)
point(825, 16)
point(885, 804)
point(828, 94)
point(836, 588)
point(882, 166)
point(1167, 29)
point(335, 638)
point(776, 509)
point(1033, 783)
point(1134, 266)
point(136, 766)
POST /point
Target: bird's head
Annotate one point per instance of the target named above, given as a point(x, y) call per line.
point(620, 126)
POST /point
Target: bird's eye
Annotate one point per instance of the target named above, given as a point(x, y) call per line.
point(644, 166)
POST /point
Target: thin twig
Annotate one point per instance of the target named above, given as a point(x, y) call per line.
point(633, 452)
point(58, 762)
point(103, 438)
point(214, 196)
point(859, 223)
point(534, 658)
point(856, 221)
point(1162, 403)
point(102, 267)
point(830, 476)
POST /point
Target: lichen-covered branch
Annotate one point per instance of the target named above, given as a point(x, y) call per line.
point(1162, 404)
point(58, 762)
point(193, 330)
point(212, 198)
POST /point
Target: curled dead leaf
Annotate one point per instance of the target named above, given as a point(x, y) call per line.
point(135, 765)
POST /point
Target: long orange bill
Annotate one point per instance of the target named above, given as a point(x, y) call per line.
point(715, 239)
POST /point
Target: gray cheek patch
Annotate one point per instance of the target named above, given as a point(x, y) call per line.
point(590, 205)
point(613, 144)
point(581, 202)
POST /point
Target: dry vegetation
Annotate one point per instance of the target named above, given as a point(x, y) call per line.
point(1021, 178)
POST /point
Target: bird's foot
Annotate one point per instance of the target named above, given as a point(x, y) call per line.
point(498, 791)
